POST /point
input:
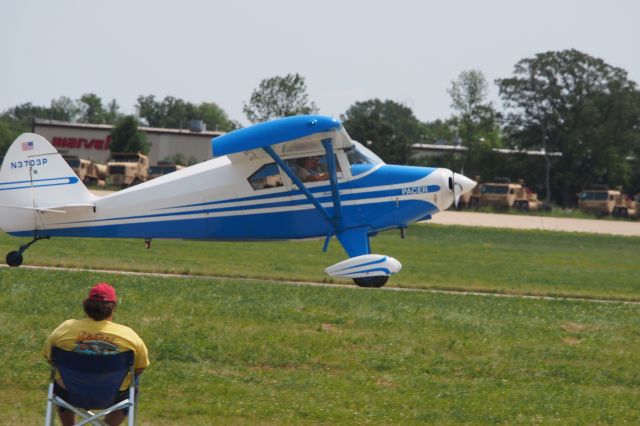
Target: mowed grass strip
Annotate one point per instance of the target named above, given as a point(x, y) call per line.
point(435, 257)
point(233, 352)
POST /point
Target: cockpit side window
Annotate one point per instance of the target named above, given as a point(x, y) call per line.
point(312, 168)
point(267, 176)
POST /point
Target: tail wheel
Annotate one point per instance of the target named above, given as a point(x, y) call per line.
point(14, 258)
point(371, 282)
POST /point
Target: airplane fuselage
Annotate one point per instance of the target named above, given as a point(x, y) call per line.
point(214, 201)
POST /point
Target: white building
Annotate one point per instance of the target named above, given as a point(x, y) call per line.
point(91, 141)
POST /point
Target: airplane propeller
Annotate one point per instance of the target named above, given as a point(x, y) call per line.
point(460, 184)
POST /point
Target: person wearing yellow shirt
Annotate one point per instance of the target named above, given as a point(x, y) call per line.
point(97, 335)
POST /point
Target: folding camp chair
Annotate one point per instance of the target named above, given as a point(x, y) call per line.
point(92, 382)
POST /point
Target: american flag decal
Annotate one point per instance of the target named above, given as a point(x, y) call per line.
point(27, 146)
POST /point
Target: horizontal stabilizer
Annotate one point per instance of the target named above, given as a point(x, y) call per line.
point(368, 265)
point(56, 209)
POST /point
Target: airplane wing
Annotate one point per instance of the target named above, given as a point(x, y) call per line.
point(290, 135)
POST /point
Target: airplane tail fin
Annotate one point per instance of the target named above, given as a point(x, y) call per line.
point(34, 177)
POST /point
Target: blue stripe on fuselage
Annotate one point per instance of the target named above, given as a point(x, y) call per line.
point(261, 226)
point(248, 208)
point(384, 176)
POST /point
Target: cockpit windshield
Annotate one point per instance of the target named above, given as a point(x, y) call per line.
point(361, 158)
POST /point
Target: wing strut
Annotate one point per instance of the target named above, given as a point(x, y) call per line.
point(333, 179)
point(355, 241)
point(336, 222)
point(299, 184)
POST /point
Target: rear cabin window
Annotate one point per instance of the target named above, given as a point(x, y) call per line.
point(267, 176)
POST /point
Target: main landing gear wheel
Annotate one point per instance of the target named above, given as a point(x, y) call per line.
point(14, 258)
point(371, 282)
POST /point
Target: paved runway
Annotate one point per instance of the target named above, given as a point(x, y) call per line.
point(495, 220)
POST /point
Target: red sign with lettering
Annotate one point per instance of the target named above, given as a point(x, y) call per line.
point(78, 143)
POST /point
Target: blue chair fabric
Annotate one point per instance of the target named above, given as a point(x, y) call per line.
point(92, 381)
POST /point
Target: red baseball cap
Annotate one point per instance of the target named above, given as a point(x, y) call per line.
point(103, 292)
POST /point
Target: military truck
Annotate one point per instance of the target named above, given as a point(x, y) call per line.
point(502, 193)
point(101, 172)
point(163, 168)
point(626, 206)
point(88, 171)
point(598, 199)
point(128, 169)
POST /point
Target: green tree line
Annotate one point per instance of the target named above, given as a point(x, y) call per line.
point(169, 112)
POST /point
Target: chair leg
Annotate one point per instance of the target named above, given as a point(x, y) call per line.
point(49, 419)
point(134, 402)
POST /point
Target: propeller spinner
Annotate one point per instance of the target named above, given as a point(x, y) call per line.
point(460, 184)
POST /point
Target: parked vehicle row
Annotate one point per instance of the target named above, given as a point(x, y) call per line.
point(123, 169)
point(501, 193)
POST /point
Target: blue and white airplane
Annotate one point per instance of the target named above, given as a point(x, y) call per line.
point(293, 178)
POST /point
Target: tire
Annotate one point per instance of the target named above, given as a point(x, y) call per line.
point(14, 259)
point(371, 282)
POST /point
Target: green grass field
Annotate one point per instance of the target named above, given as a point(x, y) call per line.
point(437, 257)
point(228, 351)
point(232, 352)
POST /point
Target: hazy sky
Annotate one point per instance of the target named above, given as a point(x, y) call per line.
point(408, 51)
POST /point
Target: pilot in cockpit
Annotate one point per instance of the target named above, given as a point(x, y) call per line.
point(308, 169)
